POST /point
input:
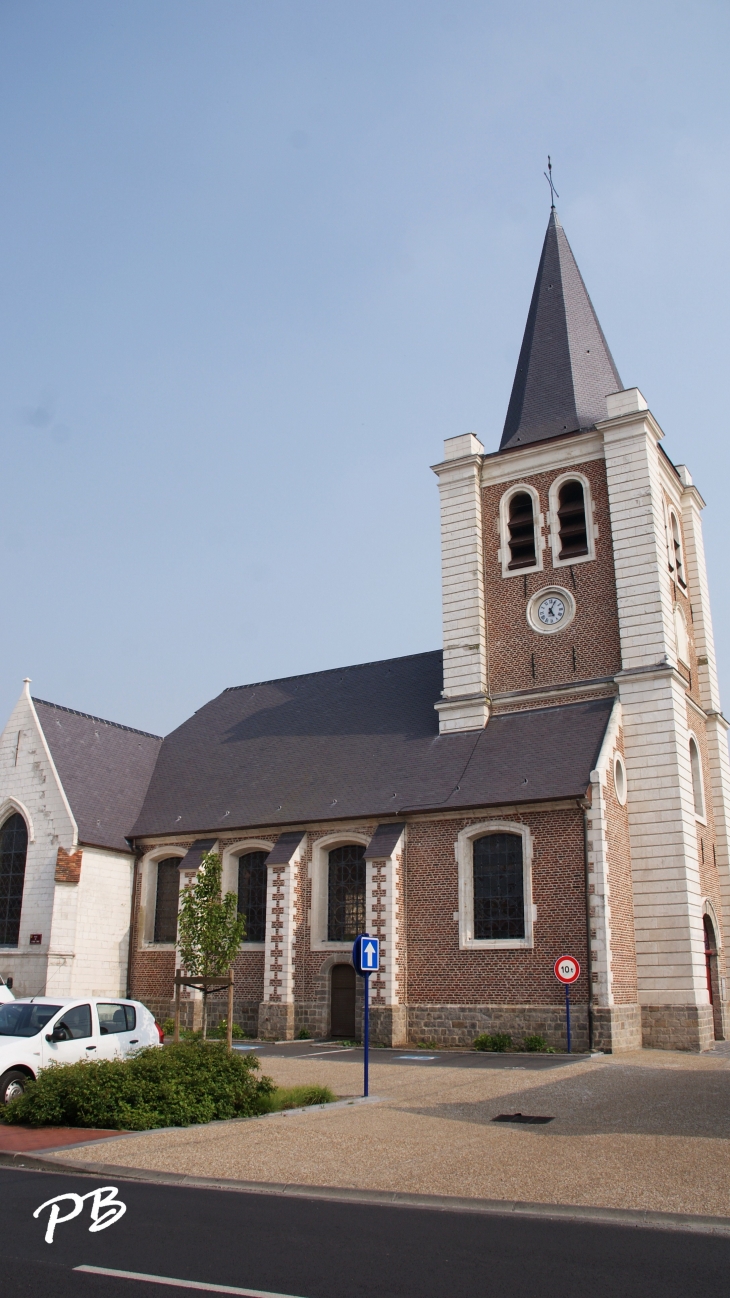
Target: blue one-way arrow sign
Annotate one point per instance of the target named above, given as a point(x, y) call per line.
point(366, 954)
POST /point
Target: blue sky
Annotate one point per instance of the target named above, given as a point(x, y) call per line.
point(259, 258)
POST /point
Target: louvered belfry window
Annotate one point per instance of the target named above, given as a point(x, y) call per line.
point(572, 520)
point(13, 851)
point(346, 909)
point(499, 903)
point(521, 531)
point(167, 901)
point(252, 874)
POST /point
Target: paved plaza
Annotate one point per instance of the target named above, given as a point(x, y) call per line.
point(647, 1130)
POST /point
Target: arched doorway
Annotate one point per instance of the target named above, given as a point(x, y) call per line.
point(342, 1001)
point(713, 982)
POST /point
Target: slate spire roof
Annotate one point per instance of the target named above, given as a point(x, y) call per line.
point(565, 369)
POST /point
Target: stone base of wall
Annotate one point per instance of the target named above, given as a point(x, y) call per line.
point(617, 1028)
point(677, 1027)
point(276, 1020)
point(458, 1025)
point(312, 1016)
point(245, 1013)
point(388, 1025)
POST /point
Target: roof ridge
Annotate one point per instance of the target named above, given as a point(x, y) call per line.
point(102, 720)
point(326, 671)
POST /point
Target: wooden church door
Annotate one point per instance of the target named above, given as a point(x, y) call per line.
point(343, 1000)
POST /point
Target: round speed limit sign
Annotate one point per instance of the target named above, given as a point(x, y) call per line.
point(567, 969)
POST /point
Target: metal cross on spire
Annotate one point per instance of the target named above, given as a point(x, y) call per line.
point(549, 178)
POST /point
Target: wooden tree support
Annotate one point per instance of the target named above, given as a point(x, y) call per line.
point(206, 985)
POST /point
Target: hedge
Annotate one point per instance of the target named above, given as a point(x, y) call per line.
point(175, 1087)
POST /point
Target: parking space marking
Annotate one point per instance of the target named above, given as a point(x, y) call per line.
point(179, 1284)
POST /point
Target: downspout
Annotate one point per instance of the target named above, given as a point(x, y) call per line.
point(585, 804)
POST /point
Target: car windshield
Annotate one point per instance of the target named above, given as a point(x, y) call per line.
point(19, 1020)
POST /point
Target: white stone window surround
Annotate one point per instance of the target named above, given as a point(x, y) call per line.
point(230, 856)
point(698, 778)
point(320, 886)
point(619, 779)
point(504, 554)
point(148, 897)
point(554, 521)
point(12, 806)
point(465, 860)
point(675, 546)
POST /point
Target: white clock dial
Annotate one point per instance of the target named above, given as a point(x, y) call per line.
point(551, 611)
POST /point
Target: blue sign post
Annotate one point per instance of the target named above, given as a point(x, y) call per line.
point(366, 959)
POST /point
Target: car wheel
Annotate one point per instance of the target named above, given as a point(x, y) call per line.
point(12, 1084)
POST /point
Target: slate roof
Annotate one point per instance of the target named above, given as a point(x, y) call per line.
point(358, 741)
point(104, 769)
point(565, 369)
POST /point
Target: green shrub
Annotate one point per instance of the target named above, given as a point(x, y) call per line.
point(538, 1045)
point(168, 1027)
point(304, 1035)
point(174, 1087)
point(427, 1045)
point(500, 1041)
point(298, 1097)
point(221, 1031)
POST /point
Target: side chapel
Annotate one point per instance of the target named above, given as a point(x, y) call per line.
point(556, 781)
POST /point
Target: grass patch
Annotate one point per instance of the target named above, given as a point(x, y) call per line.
point(175, 1087)
point(299, 1097)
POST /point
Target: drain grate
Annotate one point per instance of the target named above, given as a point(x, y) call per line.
point(521, 1117)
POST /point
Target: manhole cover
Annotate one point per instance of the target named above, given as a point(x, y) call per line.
point(521, 1117)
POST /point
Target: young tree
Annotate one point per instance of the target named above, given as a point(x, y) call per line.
point(210, 928)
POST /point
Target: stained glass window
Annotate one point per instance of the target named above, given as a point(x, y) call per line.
point(346, 910)
point(13, 851)
point(252, 873)
point(167, 901)
point(499, 907)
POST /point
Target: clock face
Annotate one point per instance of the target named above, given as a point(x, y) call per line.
point(551, 611)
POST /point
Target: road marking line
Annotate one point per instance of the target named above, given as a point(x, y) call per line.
point(180, 1284)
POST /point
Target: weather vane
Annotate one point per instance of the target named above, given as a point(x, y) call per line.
point(549, 178)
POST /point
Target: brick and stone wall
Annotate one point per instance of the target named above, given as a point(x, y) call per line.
point(593, 634)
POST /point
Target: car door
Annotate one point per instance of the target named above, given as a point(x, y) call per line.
point(118, 1027)
point(76, 1040)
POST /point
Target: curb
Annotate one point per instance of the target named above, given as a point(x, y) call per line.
point(632, 1217)
point(347, 1102)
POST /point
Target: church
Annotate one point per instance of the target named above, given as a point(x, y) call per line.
point(554, 781)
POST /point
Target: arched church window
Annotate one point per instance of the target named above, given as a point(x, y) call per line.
point(521, 525)
point(346, 893)
point(696, 764)
point(252, 872)
point(572, 520)
point(676, 561)
point(167, 899)
point(499, 901)
point(13, 852)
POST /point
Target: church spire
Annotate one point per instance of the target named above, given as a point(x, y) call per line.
point(565, 369)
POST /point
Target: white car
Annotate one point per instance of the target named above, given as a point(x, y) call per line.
point(36, 1031)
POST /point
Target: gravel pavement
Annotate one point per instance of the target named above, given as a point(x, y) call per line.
point(647, 1130)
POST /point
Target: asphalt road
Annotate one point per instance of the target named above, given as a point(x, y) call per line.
point(315, 1249)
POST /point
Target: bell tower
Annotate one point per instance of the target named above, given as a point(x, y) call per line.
point(573, 568)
